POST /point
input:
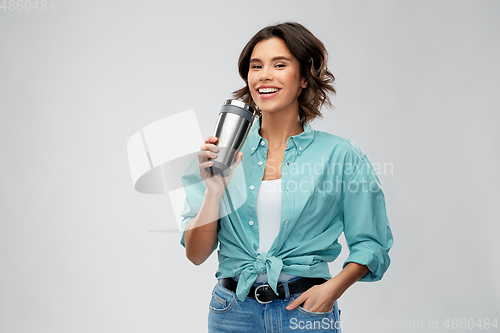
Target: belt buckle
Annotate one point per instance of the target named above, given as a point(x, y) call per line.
point(256, 294)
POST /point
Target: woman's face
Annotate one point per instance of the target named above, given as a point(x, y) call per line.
point(274, 77)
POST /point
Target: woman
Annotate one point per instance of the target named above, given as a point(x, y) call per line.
point(302, 188)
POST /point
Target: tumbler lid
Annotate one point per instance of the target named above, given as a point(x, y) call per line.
point(241, 104)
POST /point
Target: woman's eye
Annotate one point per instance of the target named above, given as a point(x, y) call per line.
point(256, 66)
point(280, 65)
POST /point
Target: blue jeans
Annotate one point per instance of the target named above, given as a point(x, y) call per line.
point(228, 314)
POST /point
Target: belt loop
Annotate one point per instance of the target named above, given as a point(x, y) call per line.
point(287, 291)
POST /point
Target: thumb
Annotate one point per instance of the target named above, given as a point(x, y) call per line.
point(239, 158)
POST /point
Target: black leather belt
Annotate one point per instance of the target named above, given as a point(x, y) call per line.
point(264, 294)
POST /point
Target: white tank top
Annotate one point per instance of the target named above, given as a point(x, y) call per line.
point(268, 207)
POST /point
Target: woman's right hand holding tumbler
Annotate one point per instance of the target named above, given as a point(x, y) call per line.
point(215, 183)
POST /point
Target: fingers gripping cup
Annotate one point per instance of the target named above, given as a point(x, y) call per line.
point(232, 128)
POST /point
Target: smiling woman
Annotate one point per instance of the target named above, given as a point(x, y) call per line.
point(274, 81)
point(274, 250)
point(309, 57)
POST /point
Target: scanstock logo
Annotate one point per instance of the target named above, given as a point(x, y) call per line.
point(161, 153)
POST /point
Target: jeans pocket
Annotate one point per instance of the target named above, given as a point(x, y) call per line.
point(222, 299)
point(310, 313)
point(315, 314)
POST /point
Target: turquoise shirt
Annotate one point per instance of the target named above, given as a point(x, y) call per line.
point(328, 187)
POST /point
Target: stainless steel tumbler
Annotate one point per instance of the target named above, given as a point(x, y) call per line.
point(233, 125)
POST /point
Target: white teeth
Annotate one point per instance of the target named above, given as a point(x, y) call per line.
point(268, 90)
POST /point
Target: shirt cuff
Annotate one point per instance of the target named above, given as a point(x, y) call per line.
point(184, 224)
point(374, 256)
point(183, 232)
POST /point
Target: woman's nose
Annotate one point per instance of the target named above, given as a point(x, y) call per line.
point(265, 75)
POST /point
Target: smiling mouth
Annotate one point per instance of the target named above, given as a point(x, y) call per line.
point(265, 91)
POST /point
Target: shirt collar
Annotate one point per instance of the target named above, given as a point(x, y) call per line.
point(300, 141)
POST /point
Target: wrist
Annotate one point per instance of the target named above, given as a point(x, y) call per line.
point(214, 194)
point(336, 287)
point(351, 273)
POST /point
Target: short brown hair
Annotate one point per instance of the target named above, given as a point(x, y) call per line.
point(312, 57)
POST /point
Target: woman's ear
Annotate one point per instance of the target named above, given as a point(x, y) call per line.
point(303, 83)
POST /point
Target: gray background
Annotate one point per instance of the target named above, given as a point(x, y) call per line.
point(82, 251)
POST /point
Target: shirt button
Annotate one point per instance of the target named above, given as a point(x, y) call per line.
point(253, 148)
point(252, 187)
point(287, 190)
point(250, 222)
point(286, 223)
point(287, 163)
point(262, 143)
point(260, 163)
point(300, 148)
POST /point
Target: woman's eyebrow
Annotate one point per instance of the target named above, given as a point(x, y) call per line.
point(274, 59)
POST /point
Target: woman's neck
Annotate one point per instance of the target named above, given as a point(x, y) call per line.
point(276, 128)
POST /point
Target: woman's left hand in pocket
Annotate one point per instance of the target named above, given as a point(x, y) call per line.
point(318, 298)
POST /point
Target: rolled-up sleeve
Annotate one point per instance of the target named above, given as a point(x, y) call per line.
point(195, 187)
point(366, 226)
